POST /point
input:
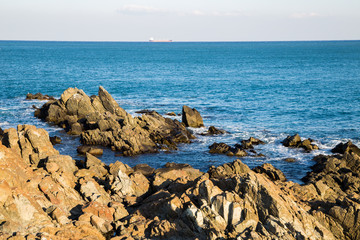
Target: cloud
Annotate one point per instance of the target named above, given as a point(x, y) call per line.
point(148, 10)
point(305, 15)
point(140, 9)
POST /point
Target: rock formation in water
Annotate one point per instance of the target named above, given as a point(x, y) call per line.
point(99, 120)
point(295, 142)
point(191, 117)
point(48, 195)
point(239, 149)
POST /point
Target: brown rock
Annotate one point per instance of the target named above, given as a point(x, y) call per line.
point(270, 171)
point(89, 149)
point(346, 147)
point(191, 117)
point(55, 140)
point(295, 142)
point(145, 169)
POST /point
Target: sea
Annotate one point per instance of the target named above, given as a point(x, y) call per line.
point(267, 90)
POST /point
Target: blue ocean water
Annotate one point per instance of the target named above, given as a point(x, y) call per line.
point(263, 89)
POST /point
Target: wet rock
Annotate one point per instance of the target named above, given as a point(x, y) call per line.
point(249, 144)
point(295, 142)
point(348, 147)
point(38, 96)
point(89, 149)
point(171, 114)
point(222, 148)
point(191, 117)
point(55, 140)
point(214, 131)
point(271, 172)
point(145, 111)
point(290, 160)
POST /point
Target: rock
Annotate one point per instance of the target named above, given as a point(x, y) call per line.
point(229, 169)
point(145, 169)
point(222, 148)
point(248, 144)
point(89, 149)
point(213, 131)
point(99, 120)
point(290, 160)
point(145, 111)
point(96, 165)
point(191, 117)
point(292, 141)
point(115, 167)
point(295, 142)
point(31, 143)
point(38, 96)
point(55, 140)
point(75, 129)
point(163, 177)
point(346, 148)
point(271, 172)
point(171, 114)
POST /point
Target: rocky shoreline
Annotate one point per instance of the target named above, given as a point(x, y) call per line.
point(46, 195)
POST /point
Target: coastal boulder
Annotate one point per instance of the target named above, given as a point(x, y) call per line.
point(223, 148)
point(295, 142)
point(348, 147)
point(191, 117)
point(213, 131)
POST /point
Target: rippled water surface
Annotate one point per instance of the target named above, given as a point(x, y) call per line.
point(263, 89)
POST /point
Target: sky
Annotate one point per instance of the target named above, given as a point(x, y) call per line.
point(179, 20)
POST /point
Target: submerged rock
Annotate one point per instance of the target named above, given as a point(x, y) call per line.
point(191, 117)
point(295, 142)
point(99, 120)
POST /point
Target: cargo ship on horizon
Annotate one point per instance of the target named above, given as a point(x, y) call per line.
point(160, 40)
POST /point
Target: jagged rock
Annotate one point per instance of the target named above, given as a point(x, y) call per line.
point(89, 149)
point(229, 169)
point(145, 111)
point(346, 148)
point(271, 172)
point(55, 140)
point(191, 117)
point(222, 148)
point(213, 131)
point(249, 144)
point(38, 96)
point(295, 142)
point(145, 169)
point(101, 121)
point(163, 177)
point(31, 143)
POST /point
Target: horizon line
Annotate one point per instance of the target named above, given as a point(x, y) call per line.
point(180, 41)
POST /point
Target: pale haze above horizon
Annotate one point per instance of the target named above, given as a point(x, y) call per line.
point(185, 20)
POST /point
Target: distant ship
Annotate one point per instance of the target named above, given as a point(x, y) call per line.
point(164, 40)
